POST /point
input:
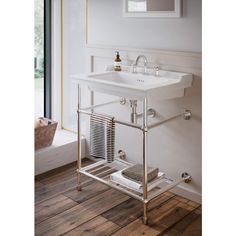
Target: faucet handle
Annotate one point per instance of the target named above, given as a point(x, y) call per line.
point(156, 70)
point(132, 67)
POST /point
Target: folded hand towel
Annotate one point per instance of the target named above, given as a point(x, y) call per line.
point(136, 173)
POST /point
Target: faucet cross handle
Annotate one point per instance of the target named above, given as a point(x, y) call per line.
point(132, 68)
point(156, 70)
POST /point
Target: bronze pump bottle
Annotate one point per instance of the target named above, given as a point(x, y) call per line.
point(117, 62)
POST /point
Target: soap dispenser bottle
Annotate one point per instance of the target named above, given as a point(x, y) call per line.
point(117, 62)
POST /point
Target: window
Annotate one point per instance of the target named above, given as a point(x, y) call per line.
point(39, 57)
point(42, 58)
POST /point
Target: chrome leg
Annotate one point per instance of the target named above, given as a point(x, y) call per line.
point(145, 155)
point(79, 145)
point(92, 100)
point(145, 217)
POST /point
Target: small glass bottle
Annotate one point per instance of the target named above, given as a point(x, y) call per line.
point(117, 62)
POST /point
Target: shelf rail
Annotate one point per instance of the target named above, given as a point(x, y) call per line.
point(186, 115)
point(171, 185)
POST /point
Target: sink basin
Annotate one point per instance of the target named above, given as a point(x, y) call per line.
point(137, 86)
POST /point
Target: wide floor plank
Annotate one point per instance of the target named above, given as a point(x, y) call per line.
point(38, 185)
point(89, 191)
point(61, 174)
point(65, 221)
point(124, 213)
point(57, 173)
point(60, 209)
point(131, 209)
point(169, 218)
point(181, 226)
point(46, 192)
point(98, 226)
point(81, 213)
point(162, 208)
point(52, 207)
point(160, 211)
point(136, 228)
point(194, 229)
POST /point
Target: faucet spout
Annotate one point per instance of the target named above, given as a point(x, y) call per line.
point(144, 59)
point(144, 62)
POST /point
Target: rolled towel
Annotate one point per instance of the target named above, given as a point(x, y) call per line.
point(135, 173)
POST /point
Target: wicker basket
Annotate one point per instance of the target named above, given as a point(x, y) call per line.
point(43, 136)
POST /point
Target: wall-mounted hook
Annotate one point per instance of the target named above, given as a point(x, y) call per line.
point(187, 178)
point(187, 114)
point(152, 113)
point(122, 154)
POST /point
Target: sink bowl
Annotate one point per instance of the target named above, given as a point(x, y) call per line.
point(137, 86)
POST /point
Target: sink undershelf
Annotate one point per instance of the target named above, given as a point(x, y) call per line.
point(102, 170)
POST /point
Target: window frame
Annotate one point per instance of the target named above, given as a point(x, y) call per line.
point(47, 59)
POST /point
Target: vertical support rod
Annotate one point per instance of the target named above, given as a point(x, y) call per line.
point(92, 100)
point(133, 116)
point(145, 156)
point(79, 143)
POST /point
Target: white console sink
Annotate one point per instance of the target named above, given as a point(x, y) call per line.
point(137, 86)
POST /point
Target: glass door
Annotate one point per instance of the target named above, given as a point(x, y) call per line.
point(39, 57)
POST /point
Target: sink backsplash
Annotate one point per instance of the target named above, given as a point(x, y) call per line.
point(138, 69)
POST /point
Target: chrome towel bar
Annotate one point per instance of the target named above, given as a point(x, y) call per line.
point(186, 114)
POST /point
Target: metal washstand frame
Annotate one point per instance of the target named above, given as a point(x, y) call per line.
point(145, 197)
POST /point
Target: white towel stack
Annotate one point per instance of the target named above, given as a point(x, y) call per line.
point(118, 178)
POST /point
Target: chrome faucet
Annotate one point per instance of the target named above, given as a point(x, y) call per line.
point(136, 63)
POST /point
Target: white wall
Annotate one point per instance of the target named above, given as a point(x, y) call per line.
point(74, 56)
point(107, 27)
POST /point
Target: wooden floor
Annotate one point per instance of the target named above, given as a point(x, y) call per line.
point(99, 210)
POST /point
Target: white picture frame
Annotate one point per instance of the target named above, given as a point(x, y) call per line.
point(160, 14)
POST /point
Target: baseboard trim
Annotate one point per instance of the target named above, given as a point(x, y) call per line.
point(187, 193)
